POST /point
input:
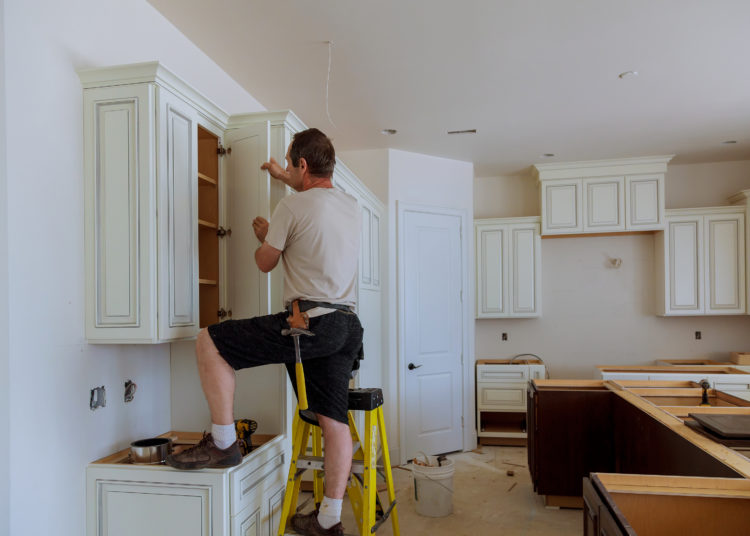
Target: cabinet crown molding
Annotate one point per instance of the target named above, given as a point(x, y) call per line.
point(740, 198)
point(601, 168)
point(285, 118)
point(152, 72)
point(505, 221)
point(700, 211)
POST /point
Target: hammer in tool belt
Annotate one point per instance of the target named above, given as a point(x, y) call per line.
point(298, 324)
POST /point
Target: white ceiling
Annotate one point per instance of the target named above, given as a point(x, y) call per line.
point(532, 76)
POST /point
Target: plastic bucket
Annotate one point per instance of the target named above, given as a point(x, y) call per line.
point(433, 487)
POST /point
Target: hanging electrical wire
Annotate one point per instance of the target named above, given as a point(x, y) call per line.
point(328, 81)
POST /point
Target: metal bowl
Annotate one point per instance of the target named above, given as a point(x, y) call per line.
point(150, 451)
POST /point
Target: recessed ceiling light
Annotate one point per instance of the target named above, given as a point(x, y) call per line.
point(729, 142)
point(388, 131)
point(548, 155)
point(469, 131)
point(627, 74)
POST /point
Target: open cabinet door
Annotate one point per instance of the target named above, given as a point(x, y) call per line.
point(248, 191)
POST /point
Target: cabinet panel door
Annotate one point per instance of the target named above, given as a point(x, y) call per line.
point(274, 511)
point(158, 509)
point(120, 267)
point(249, 524)
point(725, 264)
point(561, 207)
point(491, 277)
point(604, 204)
point(645, 202)
point(685, 266)
point(525, 267)
point(178, 217)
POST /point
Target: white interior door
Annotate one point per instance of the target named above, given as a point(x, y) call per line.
point(431, 331)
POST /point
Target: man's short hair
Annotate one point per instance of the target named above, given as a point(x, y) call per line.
point(316, 149)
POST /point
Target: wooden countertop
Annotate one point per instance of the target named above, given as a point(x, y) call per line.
point(726, 455)
point(524, 361)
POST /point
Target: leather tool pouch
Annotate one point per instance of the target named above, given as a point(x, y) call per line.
point(297, 319)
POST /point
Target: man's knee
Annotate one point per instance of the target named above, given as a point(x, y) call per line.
point(204, 345)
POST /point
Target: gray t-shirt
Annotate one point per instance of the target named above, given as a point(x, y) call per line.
point(318, 233)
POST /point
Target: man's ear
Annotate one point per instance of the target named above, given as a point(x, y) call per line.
point(302, 164)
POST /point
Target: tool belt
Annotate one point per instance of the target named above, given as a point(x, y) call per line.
point(306, 305)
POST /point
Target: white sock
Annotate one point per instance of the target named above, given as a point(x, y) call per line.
point(330, 512)
point(224, 435)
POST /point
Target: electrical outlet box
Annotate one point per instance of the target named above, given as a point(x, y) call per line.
point(698, 335)
point(504, 336)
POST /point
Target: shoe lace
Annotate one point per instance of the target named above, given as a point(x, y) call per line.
point(202, 443)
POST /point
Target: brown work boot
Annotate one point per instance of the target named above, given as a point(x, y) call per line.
point(206, 455)
point(307, 524)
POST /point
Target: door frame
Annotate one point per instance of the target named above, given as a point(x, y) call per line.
point(469, 436)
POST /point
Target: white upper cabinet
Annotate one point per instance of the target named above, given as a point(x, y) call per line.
point(172, 184)
point(140, 162)
point(742, 199)
point(508, 264)
point(602, 196)
point(700, 262)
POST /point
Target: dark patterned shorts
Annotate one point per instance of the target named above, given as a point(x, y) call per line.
point(328, 358)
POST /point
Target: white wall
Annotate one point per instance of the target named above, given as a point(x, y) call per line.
point(4, 370)
point(593, 314)
point(53, 434)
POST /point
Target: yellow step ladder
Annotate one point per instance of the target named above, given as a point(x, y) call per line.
point(369, 511)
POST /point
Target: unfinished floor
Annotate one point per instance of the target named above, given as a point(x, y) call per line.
point(486, 501)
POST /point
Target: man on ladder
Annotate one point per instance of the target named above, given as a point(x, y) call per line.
point(316, 234)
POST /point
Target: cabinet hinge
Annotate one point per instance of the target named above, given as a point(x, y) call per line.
point(462, 421)
point(221, 151)
point(221, 232)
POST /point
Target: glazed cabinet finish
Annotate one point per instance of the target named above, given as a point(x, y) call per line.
point(508, 268)
point(700, 262)
point(501, 399)
point(154, 500)
point(140, 161)
point(602, 196)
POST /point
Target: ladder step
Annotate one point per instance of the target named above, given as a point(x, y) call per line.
point(316, 462)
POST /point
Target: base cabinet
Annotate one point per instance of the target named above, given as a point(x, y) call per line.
point(501, 401)
point(153, 500)
point(649, 505)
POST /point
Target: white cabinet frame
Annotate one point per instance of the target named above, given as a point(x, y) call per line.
point(700, 262)
point(508, 267)
point(602, 196)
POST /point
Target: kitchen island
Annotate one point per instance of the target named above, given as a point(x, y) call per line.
point(577, 427)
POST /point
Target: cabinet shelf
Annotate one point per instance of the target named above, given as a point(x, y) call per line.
point(211, 282)
point(208, 224)
point(207, 179)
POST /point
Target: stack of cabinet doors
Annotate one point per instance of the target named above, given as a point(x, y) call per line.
point(172, 184)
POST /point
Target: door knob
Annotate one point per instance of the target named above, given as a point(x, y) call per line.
point(412, 366)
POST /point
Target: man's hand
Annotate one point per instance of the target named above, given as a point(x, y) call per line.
point(260, 227)
point(279, 173)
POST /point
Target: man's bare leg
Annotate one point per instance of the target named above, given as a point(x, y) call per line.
point(217, 380)
point(338, 463)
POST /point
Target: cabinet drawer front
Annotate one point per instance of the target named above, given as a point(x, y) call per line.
point(503, 373)
point(249, 485)
point(502, 398)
